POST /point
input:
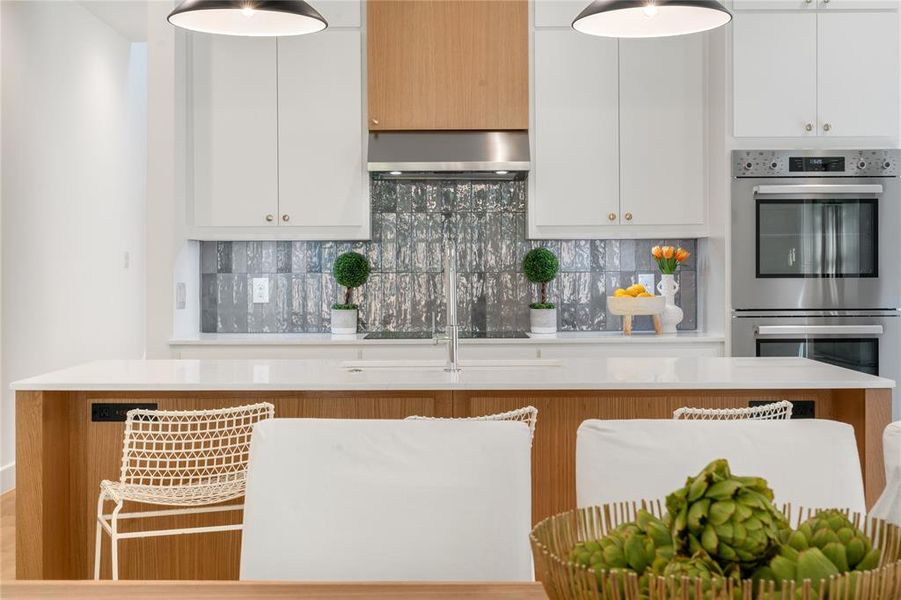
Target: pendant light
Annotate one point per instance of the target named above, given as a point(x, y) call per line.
point(650, 18)
point(256, 18)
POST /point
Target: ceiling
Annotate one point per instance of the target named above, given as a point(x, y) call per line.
point(128, 17)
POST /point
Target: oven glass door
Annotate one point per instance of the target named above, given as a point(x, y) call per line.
point(799, 238)
point(859, 354)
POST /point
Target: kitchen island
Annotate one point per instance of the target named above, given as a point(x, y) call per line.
point(66, 443)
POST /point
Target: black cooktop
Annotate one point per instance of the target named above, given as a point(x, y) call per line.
point(424, 335)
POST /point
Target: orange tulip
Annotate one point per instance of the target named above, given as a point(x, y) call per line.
point(668, 252)
point(682, 254)
point(657, 252)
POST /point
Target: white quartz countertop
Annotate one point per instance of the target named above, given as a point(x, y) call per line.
point(313, 339)
point(573, 374)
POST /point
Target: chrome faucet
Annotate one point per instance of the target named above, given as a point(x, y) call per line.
point(451, 330)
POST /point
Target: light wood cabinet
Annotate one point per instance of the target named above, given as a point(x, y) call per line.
point(234, 131)
point(825, 71)
point(618, 136)
point(449, 65)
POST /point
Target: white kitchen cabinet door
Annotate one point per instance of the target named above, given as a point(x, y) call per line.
point(235, 137)
point(858, 74)
point(322, 179)
point(858, 4)
point(339, 13)
point(575, 173)
point(558, 13)
point(774, 4)
point(774, 74)
point(662, 104)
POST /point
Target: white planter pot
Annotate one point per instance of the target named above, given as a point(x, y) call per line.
point(344, 322)
point(672, 314)
point(543, 320)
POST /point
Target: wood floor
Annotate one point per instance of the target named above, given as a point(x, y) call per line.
point(8, 536)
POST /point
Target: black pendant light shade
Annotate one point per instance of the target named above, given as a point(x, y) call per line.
point(258, 18)
point(650, 18)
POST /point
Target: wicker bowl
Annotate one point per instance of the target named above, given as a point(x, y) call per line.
point(553, 539)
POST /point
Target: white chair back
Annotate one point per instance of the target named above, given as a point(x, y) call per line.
point(888, 506)
point(370, 500)
point(526, 414)
point(810, 463)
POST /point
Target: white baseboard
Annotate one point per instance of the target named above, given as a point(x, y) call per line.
point(7, 477)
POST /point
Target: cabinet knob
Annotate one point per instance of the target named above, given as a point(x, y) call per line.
point(808, 1)
point(375, 121)
point(827, 127)
point(825, 1)
point(286, 218)
point(612, 216)
point(808, 127)
point(628, 216)
point(269, 218)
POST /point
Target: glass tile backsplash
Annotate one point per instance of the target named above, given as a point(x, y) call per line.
point(411, 221)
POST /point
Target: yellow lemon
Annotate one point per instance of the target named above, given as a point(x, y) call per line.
point(620, 292)
point(645, 295)
point(636, 289)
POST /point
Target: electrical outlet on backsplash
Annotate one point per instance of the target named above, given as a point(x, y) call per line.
point(405, 292)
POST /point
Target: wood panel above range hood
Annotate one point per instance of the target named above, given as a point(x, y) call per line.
point(449, 65)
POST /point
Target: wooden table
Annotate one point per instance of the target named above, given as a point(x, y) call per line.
point(250, 590)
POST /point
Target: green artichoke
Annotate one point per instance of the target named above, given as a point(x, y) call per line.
point(846, 546)
point(698, 567)
point(793, 565)
point(640, 546)
point(730, 518)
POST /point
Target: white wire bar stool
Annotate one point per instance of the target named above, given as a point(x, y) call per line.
point(190, 459)
point(526, 414)
point(775, 411)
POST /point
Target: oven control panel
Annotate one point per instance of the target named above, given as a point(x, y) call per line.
point(816, 163)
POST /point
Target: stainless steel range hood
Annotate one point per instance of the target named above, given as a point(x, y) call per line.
point(448, 154)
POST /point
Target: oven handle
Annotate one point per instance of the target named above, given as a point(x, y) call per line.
point(771, 330)
point(813, 188)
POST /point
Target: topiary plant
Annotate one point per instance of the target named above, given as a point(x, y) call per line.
point(351, 270)
point(540, 266)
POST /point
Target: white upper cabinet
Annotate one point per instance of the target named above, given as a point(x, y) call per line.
point(858, 85)
point(662, 108)
point(828, 70)
point(339, 13)
point(276, 129)
point(774, 73)
point(558, 13)
point(774, 4)
point(235, 131)
point(322, 177)
point(575, 174)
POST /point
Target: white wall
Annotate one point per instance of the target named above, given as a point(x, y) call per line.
point(74, 157)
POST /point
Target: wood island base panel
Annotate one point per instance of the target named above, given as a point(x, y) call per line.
point(62, 455)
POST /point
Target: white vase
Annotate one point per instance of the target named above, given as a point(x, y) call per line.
point(344, 322)
point(543, 320)
point(672, 314)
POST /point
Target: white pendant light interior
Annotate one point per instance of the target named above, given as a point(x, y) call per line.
point(247, 19)
point(647, 19)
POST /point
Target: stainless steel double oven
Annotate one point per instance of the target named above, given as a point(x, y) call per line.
point(816, 241)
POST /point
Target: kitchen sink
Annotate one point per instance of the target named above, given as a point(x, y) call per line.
point(437, 365)
point(464, 335)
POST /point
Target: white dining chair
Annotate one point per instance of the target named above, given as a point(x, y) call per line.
point(190, 459)
point(888, 507)
point(774, 411)
point(377, 500)
point(526, 414)
point(811, 463)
